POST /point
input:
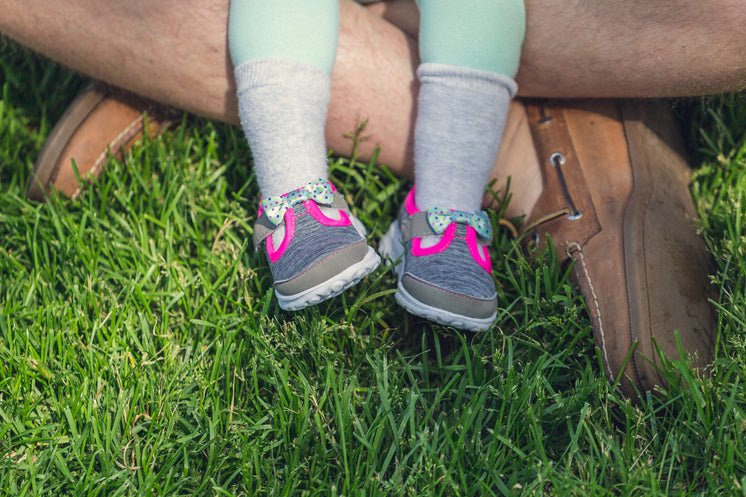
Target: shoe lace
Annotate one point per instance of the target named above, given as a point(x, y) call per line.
point(570, 210)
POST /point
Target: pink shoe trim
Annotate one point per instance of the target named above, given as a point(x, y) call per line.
point(483, 259)
point(409, 203)
point(445, 241)
point(314, 210)
point(274, 255)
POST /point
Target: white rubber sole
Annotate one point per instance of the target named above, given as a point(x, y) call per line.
point(392, 248)
point(333, 286)
point(418, 308)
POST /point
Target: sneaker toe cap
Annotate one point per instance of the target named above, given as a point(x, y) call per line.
point(324, 269)
point(454, 302)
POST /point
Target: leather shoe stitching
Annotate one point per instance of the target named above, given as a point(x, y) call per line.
point(575, 248)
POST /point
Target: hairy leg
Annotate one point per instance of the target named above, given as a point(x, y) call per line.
point(666, 48)
point(374, 80)
point(590, 48)
point(636, 48)
point(160, 50)
point(179, 57)
point(625, 49)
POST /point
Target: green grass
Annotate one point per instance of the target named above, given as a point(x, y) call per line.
point(141, 351)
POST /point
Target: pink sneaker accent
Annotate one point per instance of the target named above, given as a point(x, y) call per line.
point(409, 203)
point(442, 245)
point(274, 255)
point(482, 259)
point(314, 210)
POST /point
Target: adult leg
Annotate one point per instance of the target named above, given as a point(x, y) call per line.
point(179, 56)
point(668, 48)
point(635, 48)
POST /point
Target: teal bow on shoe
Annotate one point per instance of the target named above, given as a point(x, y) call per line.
point(439, 219)
point(320, 191)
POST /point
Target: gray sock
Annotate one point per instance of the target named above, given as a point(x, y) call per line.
point(283, 104)
point(460, 122)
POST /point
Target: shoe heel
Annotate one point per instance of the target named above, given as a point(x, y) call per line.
point(391, 246)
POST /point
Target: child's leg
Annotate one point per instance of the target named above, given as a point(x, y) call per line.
point(470, 51)
point(283, 51)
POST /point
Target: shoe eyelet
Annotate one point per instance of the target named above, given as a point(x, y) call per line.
point(557, 159)
point(574, 216)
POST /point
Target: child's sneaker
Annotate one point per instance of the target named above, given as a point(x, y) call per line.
point(316, 248)
point(445, 271)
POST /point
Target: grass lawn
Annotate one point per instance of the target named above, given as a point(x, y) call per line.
point(142, 352)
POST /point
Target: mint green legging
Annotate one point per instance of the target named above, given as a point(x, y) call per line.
point(480, 34)
point(304, 30)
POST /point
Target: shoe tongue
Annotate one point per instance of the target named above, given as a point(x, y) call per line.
point(430, 241)
point(331, 212)
point(278, 235)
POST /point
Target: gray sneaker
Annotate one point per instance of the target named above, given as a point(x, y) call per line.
point(316, 248)
point(444, 268)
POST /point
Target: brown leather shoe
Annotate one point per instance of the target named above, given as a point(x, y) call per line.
point(102, 120)
point(616, 202)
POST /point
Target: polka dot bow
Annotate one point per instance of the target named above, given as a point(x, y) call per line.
point(439, 219)
point(320, 191)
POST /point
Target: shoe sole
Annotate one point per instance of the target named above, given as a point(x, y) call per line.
point(331, 287)
point(392, 248)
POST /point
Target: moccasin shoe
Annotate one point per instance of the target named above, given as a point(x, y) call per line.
point(616, 202)
point(102, 120)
